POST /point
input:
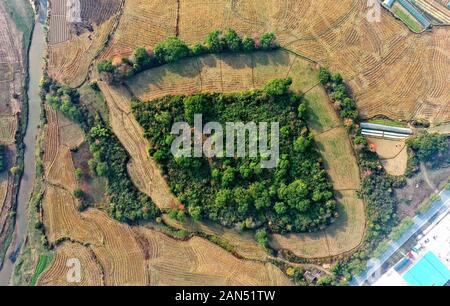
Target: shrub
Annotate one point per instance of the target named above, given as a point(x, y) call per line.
point(232, 40)
point(105, 66)
point(278, 87)
point(268, 41)
point(248, 44)
point(215, 42)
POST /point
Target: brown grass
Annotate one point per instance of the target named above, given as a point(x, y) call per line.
point(339, 159)
point(143, 170)
point(8, 127)
point(3, 190)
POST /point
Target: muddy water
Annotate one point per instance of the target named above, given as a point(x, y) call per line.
point(35, 74)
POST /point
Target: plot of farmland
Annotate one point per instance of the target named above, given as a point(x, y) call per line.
point(223, 73)
point(56, 275)
point(70, 55)
point(8, 126)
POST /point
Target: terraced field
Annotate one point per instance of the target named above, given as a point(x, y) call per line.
point(252, 71)
point(70, 54)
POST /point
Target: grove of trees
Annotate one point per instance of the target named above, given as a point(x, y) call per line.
point(432, 149)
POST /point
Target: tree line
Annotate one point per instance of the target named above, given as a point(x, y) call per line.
point(296, 196)
point(174, 49)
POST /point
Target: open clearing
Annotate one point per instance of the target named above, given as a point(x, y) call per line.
point(393, 154)
point(253, 71)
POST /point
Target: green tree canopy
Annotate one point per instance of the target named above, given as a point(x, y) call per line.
point(278, 87)
point(215, 42)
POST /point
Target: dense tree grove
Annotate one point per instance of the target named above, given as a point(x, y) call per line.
point(432, 149)
point(2, 158)
point(174, 49)
point(296, 196)
point(377, 188)
point(110, 160)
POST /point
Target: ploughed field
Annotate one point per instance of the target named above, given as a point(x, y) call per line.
point(111, 253)
point(391, 70)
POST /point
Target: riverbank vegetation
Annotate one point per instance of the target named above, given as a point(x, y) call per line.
point(2, 158)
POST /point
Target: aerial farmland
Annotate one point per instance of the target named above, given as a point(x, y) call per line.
point(220, 142)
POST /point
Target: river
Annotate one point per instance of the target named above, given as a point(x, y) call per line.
point(35, 68)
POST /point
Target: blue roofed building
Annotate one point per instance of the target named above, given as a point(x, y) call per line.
point(428, 271)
